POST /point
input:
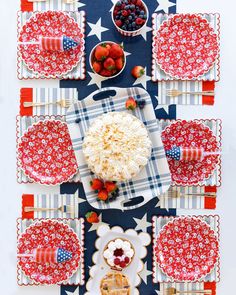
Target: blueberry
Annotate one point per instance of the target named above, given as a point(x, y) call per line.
point(122, 17)
point(141, 103)
point(124, 28)
point(129, 26)
point(78, 120)
point(130, 17)
point(132, 6)
point(117, 17)
point(127, 7)
point(142, 12)
point(133, 24)
point(144, 16)
point(127, 22)
point(132, 14)
point(118, 3)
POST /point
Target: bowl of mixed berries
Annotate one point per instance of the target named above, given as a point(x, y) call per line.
point(129, 16)
point(107, 59)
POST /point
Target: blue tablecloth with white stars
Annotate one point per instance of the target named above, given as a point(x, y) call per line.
point(138, 49)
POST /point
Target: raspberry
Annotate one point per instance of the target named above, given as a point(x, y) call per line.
point(122, 264)
point(117, 261)
point(126, 260)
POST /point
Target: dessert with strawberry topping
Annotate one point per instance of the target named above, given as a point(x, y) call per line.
point(118, 254)
point(107, 59)
point(116, 147)
point(129, 16)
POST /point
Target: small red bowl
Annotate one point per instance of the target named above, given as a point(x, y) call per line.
point(92, 59)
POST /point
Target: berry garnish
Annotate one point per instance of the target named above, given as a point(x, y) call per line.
point(110, 186)
point(96, 184)
point(141, 103)
point(122, 264)
point(118, 252)
point(127, 260)
point(138, 71)
point(119, 63)
point(117, 261)
point(92, 217)
point(131, 103)
point(103, 195)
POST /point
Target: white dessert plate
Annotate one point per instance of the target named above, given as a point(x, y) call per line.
point(153, 180)
point(100, 268)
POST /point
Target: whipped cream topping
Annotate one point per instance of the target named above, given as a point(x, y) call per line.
point(117, 146)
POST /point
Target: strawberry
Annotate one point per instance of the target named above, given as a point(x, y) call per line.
point(109, 64)
point(125, 13)
point(92, 217)
point(119, 23)
point(97, 66)
point(103, 195)
point(96, 184)
point(105, 73)
point(119, 63)
point(108, 46)
point(139, 21)
point(101, 52)
point(110, 186)
point(131, 103)
point(139, 3)
point(116, 51)
point(138, 71)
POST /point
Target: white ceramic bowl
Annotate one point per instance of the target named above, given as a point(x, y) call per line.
point(92, 54)
point(130, 33)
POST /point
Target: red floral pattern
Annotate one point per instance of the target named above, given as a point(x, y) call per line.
point(185, 46)
point(46, 154)
point(50, 64)
point(49, 233)
point(186, 249)
point(191, 134)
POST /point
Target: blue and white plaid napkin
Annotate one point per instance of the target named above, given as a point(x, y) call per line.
point(153, 180)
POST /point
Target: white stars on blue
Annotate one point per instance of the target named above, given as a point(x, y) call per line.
point(174, 153)
point(63, 255)
point(69, 43)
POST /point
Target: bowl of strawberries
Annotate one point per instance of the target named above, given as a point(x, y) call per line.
point(107, 59)
point(130, 16)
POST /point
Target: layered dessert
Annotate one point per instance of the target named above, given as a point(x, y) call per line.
point(115, 284)
point(117, 146)
point(118, 254)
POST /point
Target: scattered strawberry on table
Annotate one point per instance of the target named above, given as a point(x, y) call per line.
point(108, 59)
point(131, 103)
point(138, 71)
point(92, 217)
point(130, 15)
point(107, 191)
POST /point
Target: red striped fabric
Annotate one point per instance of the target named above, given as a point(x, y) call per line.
point(51, 43)
point(192, 154)
point(45, 255)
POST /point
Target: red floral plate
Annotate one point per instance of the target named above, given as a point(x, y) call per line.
point(186, 46)
point(186, 249)
point(51, 24)
point(46, 154)
point(191, 134)
point(49, 233)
